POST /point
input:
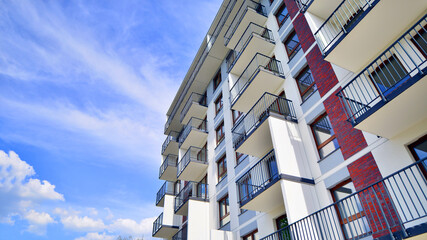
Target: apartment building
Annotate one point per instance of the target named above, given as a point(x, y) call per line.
point(300, 119)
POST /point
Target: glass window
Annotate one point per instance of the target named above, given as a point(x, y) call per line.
point(217, 80)
point(236, 115)
point(282, 222)
point(218, 104)
point(224, 214)
point(292, 44)
point(388, 75)
point(350, 212)
point(222, 168)
point(245, 188)
point(281, 15)
point(306, 83)
point(420, 40)
point(220, 133)
point(419, 152)
point(240, 157)
point(324, 136)
point(251, 236)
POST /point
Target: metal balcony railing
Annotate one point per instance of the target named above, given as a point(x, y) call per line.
point(170, 160)
point(303, 4)
point(258, 7)
point(266, 105)
point(341, 22)
point(157, 224)
point(194, 98)
point(167, 188)
point(181, 234)
point(258, 62)
point(193, 123)
point(397, 68)
point(193, 190)
point(251, 30)
point(258, 178)
point(193, 154)
point(173, 136)
point(211, 38)
point(386, 207)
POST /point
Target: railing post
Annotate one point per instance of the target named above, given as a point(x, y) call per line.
point(382, 212)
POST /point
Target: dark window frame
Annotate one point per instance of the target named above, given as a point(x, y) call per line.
point(219, 104)
point(224, 200)
point(239, 115)
point(279, 12)
point(301, 74)
point(327, 141)
point(222, 167)
point(221, 136)
point(291, 54)
point(217, 79)
point(250, 235)
point(419, 33)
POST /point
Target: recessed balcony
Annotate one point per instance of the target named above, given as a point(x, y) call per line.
point(193, 165)
point(194, 107)
point(389, 95)
point(161, 230)
point(182, 234)
point(259, 188)
point(360, 29)
point(251, 135)
point(170, 145)
point(167, 188)
point(249, 11)
point(263, 74)
point(168, 168)
point(191, 191)
point(255, 39)
point(194, 133)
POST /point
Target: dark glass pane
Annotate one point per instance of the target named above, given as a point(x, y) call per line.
point(322, 130)
point(388, 73)
point(420, 41)
point(305, 84)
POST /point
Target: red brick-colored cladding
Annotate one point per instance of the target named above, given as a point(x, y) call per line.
point(375, 200)
point(301, 27)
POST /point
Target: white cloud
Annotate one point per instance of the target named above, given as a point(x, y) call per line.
point(38, 221)
point(129, 226)
point(82, 224)
point(18, 188)
point(97, 236)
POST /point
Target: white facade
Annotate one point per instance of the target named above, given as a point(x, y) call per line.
point(295, 180)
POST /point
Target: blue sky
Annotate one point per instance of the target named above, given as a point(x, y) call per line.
point(84, 88)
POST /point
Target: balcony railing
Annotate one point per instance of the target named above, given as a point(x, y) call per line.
point(193, 154)
point(258, 178)
point(170, 160)
point(181, 234)
point(193, 190)
point(266, 105)
point(387, 207)
point(396, 69)
point(251, 30)
point(173, 136)
point(258, 7)
point(157, 224)
point(167, 188)
point(193, 123)
point(194, 98)
point(303, 4)
point(344, 18)
point(257, 63)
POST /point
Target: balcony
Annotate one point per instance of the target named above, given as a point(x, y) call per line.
point(163, 231)
point(194, 107)
point(181, 234)
point(250, 11)
point(167, 188)
point(258, 188)
point(193, 165)
point(192, 191)
point(263, 74)
point(361, 28)
point(255, 39)
point(394, 206)
point(168, 168)
point(170, 145)
point(389, 95)
point(194, 133)
point(251, 135)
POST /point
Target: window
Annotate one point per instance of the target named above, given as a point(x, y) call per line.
point(202, 188)
point(222, 168)
point(236, 115)
point(350, 213)
point(418, 150)
point(220, 133)
point(202, 154)
point(245, 189)
point(224, 214)
point(388, 75)
point(281, 15)
point(292, 44)
point(282, 222)
point(306, 85)
point(324, 136)
point(420, 41)
point(240, 157)
point(250, 236)
point(230, 59)
point(218, 104)
point(217, 80)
